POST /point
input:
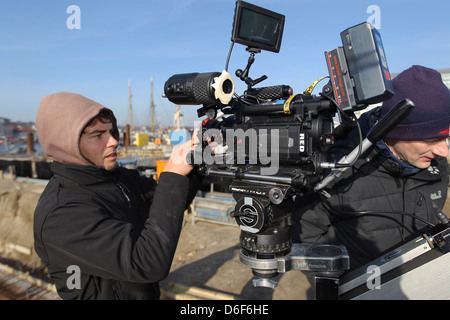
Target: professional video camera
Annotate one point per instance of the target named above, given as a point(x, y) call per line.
point(273, 135)
point(274, 143)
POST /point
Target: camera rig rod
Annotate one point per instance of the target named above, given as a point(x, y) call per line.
point(288, 107)
point(252, 176)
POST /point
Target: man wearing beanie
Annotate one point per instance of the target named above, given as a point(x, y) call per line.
point(103, 231)
point(387, 197)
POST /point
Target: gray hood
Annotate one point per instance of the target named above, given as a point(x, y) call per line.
point(60, 120)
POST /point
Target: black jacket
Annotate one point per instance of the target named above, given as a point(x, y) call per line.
point(102, 223)
point(373, 207)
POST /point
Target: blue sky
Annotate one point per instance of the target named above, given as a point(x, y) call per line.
point(136, 40)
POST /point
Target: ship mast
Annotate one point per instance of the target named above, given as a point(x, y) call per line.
point(131, 108)
point(152, 106)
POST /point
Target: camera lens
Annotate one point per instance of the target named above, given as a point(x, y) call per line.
point(192, 88)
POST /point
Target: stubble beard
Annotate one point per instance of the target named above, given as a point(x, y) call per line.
point(113, 166)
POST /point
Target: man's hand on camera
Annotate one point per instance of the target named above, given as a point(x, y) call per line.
point(178, 160)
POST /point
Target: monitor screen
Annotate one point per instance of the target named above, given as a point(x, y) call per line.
point(257, 27)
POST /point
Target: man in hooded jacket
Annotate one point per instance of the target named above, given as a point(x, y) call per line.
point(103, 231)
point(391, 193)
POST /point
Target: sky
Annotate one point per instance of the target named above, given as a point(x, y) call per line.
point(46, 47)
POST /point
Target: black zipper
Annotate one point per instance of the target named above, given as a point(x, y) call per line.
point(126, 192)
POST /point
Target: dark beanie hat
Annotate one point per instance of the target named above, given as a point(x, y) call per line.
point(431, 116)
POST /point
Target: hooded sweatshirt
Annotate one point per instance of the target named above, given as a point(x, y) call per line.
point(102, 234)
point(60, 121)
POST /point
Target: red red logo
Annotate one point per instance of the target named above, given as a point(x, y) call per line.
point(445, 132)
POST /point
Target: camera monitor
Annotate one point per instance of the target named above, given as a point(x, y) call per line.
point(257, 27)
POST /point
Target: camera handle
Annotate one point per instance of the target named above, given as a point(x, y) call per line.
point(243, 75)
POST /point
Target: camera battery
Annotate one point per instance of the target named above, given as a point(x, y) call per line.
point(367, 63)
point(340, 79)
